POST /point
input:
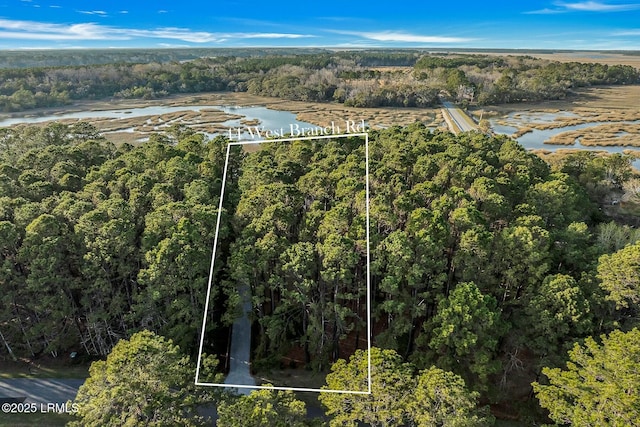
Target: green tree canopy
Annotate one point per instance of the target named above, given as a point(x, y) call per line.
point(465, 333)
point(391, 389)
point(620, 275)
point(263, 408)
point(559, 310)
point(600, 385)
point(145, 380)
point(399, 396)
point(442, 399)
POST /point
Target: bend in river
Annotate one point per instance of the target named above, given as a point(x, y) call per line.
point(276, 119)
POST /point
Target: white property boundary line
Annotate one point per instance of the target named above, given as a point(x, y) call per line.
point(213, 256)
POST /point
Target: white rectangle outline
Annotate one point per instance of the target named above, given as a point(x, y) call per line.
point(213, 255)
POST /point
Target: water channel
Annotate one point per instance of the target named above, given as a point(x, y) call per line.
point(534, 140)
point(269, 119)
point(276, 119)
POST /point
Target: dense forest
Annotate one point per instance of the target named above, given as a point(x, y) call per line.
point(98, 241)
point(359, 79)
point(486, 262)
point(83, 57)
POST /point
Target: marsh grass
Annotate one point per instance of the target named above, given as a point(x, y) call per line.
point(613, 134)
point(609, 105)
point(599, 104)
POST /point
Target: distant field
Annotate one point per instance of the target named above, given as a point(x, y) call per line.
point(595, 57)
point(576, 56)
point(606, 98)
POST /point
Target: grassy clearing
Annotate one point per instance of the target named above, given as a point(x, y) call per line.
point(119, 138)
point(36, 419)
point(43, 369)
point(596, 57)
point(591, 57)
point(324, 114)
point(601, 99)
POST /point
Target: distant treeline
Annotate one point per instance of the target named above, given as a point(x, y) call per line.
point(492, 79)
point(75, 57)
point(359, 79)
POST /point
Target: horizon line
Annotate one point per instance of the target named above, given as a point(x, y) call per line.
point(458, 48)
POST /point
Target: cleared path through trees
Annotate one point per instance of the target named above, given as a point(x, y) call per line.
point(240, 353)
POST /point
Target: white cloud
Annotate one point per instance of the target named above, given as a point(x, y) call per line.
point(204, 37)
point(627, 33)
point(364, 44)
point(46, 47)
point(124, 11)
point(170, 33)
point(268, 35)
point(173, 45)
point(53, 6)
point(594, 6)
point(585, 6)
point(92, 12)
point(545, 11)
point(394, 36)
point(247, 22)
point(31, 30)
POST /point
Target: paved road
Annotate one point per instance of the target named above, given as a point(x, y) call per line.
point(41, 390)
point(240, 365)
point(459, 117)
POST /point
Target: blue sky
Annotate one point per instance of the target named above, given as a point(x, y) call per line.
point(598, 25)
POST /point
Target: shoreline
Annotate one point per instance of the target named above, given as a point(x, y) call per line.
point(320, 114)
point(610, 105)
